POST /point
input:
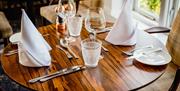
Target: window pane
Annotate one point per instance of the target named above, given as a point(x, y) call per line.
point(152, 6)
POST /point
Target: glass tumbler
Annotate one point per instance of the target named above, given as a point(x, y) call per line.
point(91, 50)
point(74, 25)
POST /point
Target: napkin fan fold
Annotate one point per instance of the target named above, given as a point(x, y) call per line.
point(33, 49)
point(123, 31)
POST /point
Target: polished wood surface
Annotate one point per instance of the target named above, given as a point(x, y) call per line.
point(164, 82)
point(113, 73)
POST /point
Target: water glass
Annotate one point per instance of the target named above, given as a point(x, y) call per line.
point(74, 25)
point(95, 20)
point(91, 50)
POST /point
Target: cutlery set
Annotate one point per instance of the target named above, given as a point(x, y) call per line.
point(130, 53)
point(58, 73)
point(144, 53)
point(139, 52)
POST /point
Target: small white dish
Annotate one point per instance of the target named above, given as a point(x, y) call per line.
point(156, 58)
point(15, 38)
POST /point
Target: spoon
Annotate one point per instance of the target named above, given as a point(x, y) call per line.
point(64, 43)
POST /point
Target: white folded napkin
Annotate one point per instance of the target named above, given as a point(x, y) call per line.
point(33, 50)
point(123, 31)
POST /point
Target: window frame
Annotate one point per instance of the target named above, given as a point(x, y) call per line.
point(168, 11)
point(144, 13)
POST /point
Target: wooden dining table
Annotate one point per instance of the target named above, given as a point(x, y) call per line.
point(114, 72)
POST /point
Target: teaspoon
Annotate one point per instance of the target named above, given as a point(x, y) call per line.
point(65, 44)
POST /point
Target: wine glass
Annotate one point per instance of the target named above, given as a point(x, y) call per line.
point(95, 21)
point(66, 9)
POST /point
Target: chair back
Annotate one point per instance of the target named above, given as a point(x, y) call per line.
point(176, 81)
point(173, 42)
point(97, 3)
point(93, 3)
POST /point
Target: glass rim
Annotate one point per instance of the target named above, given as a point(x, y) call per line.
point(91, 40)
point(80, 18)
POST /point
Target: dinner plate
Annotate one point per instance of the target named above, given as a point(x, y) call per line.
point(15, 38)
point(155, 58)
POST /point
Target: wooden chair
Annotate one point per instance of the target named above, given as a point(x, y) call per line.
point(173, 46)
point(176, 81)
point(5, 29)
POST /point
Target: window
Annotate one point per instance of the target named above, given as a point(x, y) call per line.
point(160, 11)
point(148, 12)
point(148, 8)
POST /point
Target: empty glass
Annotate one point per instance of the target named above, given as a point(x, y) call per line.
point(91, 50)
point(95, 20)
point(74, 25)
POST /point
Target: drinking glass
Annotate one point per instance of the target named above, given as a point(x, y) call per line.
point(95, 20)
point(91, 50)
point(75, 25)
point(66, 9)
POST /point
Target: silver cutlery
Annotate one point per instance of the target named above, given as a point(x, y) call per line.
point(65, 44)
point(104, 30)
point(45, 35)
point(66, 52)
point(144, 53)
point(104, 48)
point(11, 52)
point(58, 73)
point(130, 53)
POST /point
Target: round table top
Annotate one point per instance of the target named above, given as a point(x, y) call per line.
point(114, 71)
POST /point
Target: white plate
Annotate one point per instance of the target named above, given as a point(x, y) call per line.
point(15, 38)
point(156, 58)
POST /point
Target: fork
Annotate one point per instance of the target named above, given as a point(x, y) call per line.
point(130, 53)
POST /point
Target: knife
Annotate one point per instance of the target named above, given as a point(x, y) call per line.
point(103, 31)
point(64, 72)
point(145, 53)
point(58, 73)
point(66, 52)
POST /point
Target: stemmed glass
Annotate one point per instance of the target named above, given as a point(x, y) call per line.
point(66, 9)
point(95, 21)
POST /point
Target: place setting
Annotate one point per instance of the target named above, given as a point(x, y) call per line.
point(126, 34)
point(149, 55)
point(29, 40)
